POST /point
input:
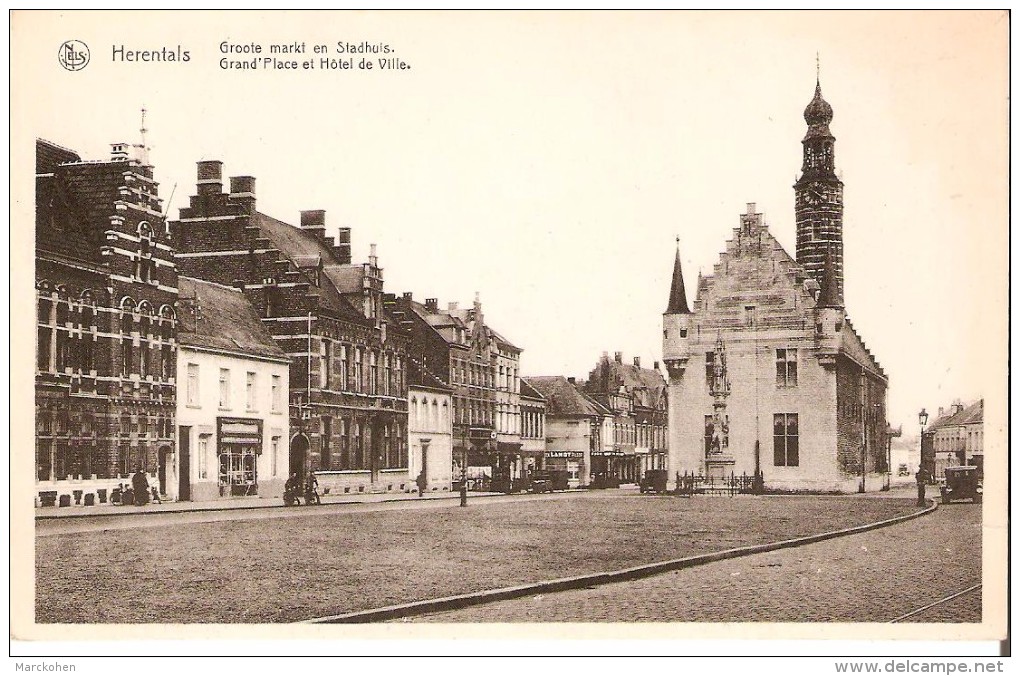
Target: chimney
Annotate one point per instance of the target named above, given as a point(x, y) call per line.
point(605, 356)
point(572, 380)
point(450, 307)
point(637, 362)
point(119, 152)
point(432, 304)
point(619, 357)
point(242, 191)
point(342, 250)
point(407, 295)
point(314, 221)
point(941, 411)
point(373, 259)
point(210, 177)
point(655, 365)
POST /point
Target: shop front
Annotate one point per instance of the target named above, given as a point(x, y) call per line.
point(608, 468)
point(239, 445)
point(569, 462)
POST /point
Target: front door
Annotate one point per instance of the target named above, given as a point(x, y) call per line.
point(298, 452)
point(184, 473)
point(164, 458)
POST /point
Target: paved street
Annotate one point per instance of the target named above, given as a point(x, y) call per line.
point(277, 564)
point(872, 577)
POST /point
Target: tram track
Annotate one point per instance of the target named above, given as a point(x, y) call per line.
point(945, 599)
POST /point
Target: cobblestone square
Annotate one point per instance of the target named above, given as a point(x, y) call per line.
point(312, 564)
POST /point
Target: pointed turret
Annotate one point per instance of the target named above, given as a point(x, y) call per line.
point(677, 292)
point(829, 295)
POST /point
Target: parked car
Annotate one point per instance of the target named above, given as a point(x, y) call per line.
point(654, 481)
point(903, 470)
point(962, 483)
point(547, 481)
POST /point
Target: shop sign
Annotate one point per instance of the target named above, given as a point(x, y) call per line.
point(244, 431)
point(564, 454)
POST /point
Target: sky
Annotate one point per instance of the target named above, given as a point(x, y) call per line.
point(549, 161)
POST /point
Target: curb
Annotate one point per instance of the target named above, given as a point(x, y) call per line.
point(577, 582)
point(236, 508)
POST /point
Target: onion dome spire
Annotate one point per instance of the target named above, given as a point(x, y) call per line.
point(818, 113)
point(677, 292)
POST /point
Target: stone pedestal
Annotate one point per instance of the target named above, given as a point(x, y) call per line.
point(719, 466)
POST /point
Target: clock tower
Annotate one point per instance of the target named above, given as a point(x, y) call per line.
point(819, 197)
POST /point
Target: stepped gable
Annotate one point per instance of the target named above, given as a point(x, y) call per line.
point(227, 321)
point(853, 346)
point(562, 397)
point(301, 248)
point(756, 267)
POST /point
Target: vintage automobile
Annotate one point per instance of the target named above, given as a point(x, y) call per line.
point(546, 481)
point(654, 481)
point(962, 483)
point(903, 470)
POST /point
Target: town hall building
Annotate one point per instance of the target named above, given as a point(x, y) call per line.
point(767, 376)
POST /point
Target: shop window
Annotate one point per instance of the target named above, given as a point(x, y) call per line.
point(274, 454)
point(785, 439)
point(203, 456)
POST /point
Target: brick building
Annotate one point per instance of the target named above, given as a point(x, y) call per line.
point(766, 373)
point(348, 374)
point(106, 287)
point(636, 398)
point(483, 370)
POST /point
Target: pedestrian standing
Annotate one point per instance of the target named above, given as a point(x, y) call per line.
point(422, 483)
point(141, 487)
point(920, 477)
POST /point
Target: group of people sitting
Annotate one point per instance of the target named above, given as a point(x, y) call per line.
point(138, 493)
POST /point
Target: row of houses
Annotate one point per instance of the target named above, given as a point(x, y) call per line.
point(226, 350)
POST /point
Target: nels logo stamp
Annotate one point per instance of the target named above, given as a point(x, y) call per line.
point(73, 55)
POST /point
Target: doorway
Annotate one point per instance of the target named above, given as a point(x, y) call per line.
point(298, 453)
point(164, 459)
point(184, 471)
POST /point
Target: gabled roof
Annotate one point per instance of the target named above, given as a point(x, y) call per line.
point(972, 414)
point(561, 397)
point(419, 376)
point(226, 321)
point(529, 392)
point(647, 386)
point(303, 249)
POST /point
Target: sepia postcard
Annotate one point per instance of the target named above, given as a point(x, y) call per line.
point(612, 325)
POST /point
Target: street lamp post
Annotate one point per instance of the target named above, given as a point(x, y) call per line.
point(888, 451)
point(463, 467)
point(922, 419)
point(922, 474)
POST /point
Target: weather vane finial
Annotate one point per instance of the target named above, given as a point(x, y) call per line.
point(818, 69)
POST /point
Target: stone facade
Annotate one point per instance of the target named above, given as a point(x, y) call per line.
point(766, 373)
point(106, 289)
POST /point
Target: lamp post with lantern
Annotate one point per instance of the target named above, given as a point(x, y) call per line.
point(922, 474)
